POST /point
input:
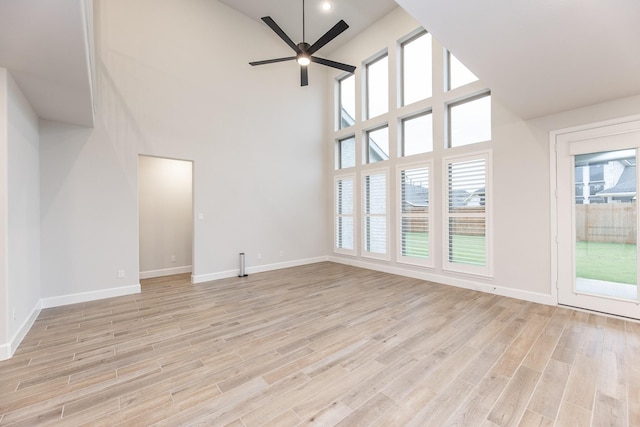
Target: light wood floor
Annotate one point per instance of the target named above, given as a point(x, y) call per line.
point(323, 344)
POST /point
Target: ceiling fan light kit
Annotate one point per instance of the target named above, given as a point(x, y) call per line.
point(304, 51)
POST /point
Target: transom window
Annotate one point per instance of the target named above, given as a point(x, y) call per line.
point(346, 153)
point(416, 68)
point(378, 145)
point(347, 108)
point(457, 74)
point(378, 86)
point(470, 121)
point(417, 134)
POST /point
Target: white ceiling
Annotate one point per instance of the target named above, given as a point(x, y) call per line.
point(358, 14)
point(539, 57)
point(544, 56)
point(43, 44)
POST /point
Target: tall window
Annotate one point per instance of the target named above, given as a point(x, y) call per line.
point(466, 214)
point(417, 134)
point(344, 219)
point(378, 145)
point(346, 153)
point(347, 109)
point(412, 138)
point(375, 214)
point(378, 87)
point(414, 246)
point(416, 68)
point(457, 74)
point(470, 121)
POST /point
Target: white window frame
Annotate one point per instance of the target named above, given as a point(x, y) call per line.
point(336, 215)
point(487, 269)
point(364, 252)
point(424, 262)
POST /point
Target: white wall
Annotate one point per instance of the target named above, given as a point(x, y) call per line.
point(166, 216)
point(20, 219)
point(174, 81)
point(4, 285)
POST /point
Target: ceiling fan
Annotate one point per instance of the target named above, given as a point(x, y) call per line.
point(304, 51)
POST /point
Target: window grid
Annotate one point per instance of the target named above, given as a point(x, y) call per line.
point(405, 149)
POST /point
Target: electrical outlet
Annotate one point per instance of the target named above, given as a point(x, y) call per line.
point(173, 258)
point(259, 255)
point(120, 274)
point(281, 252)
point(15, 316)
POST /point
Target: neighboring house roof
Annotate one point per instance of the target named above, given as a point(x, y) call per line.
point(459, 198)
point(415, 195)
point(625, 187)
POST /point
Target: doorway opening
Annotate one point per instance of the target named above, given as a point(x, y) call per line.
point(165, 216)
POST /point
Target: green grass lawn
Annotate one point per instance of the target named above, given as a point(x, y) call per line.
point(465, 249)
point(613, 262)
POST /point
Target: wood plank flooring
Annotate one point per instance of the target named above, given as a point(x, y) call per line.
point(324, 344)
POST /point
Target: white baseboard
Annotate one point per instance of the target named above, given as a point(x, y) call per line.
point(89, 296)
point(165, 272)
point(453, 281)
point(7, 350)
point(201, 278)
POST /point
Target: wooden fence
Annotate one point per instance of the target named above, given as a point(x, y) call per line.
point(606, 222)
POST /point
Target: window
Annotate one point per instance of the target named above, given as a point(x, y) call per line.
point(416, 68)
point(398, 140)
point(414, 246)
point(347, 110)
point(470, 121)
point(344, 219)
point(417, 134)
point(378, 145)
point(457, 74)
point(375, 215)
point(378, 87)
point(466, 214)
point(346, 153)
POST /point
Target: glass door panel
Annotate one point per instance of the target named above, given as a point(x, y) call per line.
point(605, 218)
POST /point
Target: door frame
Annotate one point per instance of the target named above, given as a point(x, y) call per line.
point(597, 130)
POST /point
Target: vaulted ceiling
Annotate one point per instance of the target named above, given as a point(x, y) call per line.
point(538, 57)
point(544, 56)
point(45, 45)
